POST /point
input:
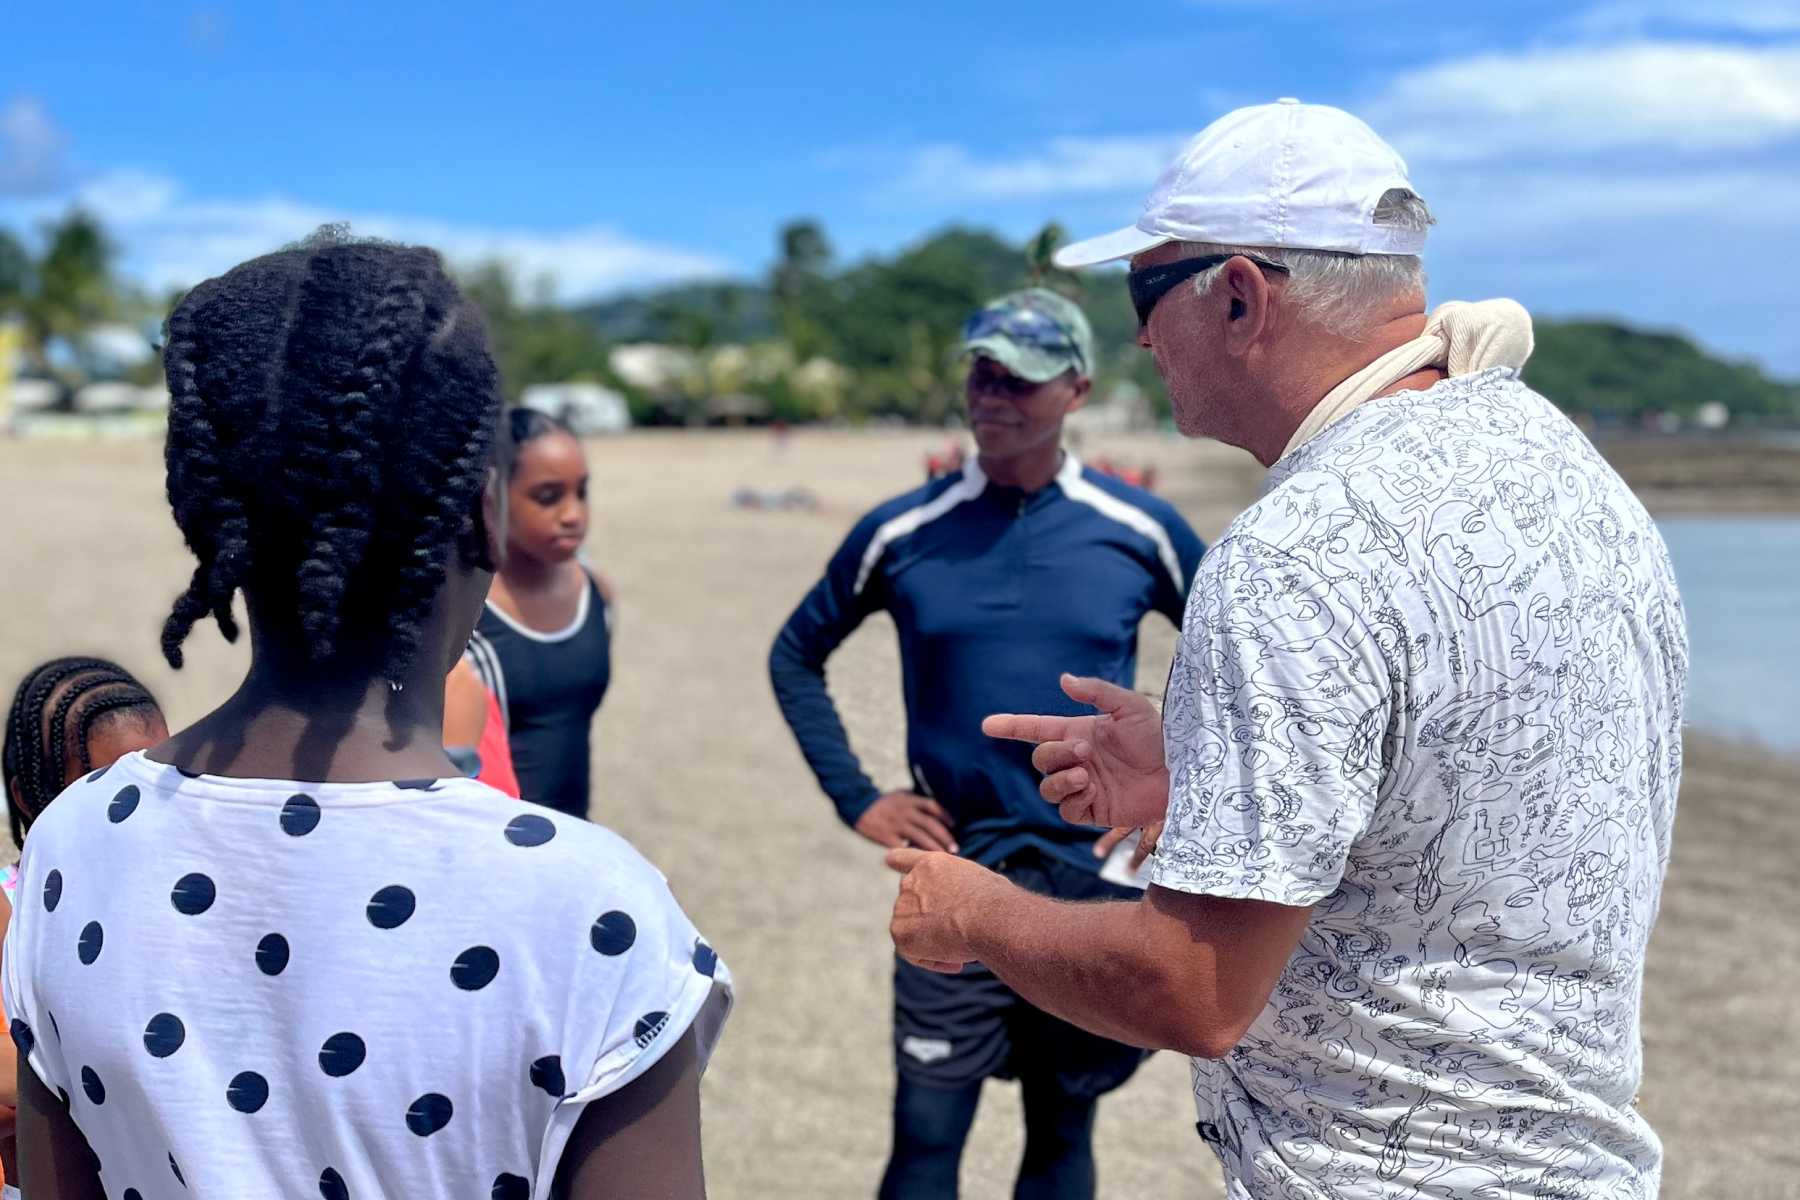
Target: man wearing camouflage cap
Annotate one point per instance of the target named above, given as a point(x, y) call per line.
point(968, 567)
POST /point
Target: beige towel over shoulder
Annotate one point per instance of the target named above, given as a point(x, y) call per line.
point(1461, 336)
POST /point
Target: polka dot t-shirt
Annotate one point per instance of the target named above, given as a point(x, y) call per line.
point(262, 988)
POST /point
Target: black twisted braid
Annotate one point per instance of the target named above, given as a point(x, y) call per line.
point(37, 735)
point(334, 407)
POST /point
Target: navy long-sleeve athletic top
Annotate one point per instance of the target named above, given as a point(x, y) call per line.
point(994, 593)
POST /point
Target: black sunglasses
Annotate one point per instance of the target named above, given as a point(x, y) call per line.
point(1150, 284)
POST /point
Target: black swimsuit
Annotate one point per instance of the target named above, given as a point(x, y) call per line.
point(549, 686)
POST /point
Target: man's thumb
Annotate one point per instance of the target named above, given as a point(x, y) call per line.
point(1107, 697)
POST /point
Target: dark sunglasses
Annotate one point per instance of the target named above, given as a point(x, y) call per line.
point(1150, 284)
point(1028, 327)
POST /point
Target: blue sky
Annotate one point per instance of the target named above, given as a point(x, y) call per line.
point(1586, 157)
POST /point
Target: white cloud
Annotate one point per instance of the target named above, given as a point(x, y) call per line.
point(1683, 96)
point(1065, 166)
point(1629, 18)
point(169, 238)
point(31, 148)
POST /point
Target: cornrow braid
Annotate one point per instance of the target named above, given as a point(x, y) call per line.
point(36, 739)
point(118, 698)
point(332, 405)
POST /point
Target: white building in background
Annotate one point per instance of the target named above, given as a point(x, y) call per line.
point(107, 397)
point(586, 408)
point(656, 368)
point(1712, 415)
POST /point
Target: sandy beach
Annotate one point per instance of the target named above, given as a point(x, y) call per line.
point(695, 766)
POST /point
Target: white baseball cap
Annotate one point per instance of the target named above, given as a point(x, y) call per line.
point(1304, 176)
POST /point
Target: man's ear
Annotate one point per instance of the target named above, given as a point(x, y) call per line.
point(1079, 392)
point(1250, 304)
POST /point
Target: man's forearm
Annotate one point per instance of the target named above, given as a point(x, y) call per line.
point(1092, 963)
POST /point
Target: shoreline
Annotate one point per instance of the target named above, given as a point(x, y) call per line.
point(1714, 474)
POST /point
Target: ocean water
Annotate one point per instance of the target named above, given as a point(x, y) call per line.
point(1740, 582)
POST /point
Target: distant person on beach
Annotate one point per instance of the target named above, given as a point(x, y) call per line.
point(543, 644)
point(290, 950)
point(973, 568)
point(1420, 747)
point(69, 716)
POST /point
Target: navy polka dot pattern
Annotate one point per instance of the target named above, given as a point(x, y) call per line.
point(164, 1034)
point(391, 907)
point(123, 804)
point(341, 1054)
point(247, 1092)
point(292, 939)
point(613, 934)
point(648, 1026)
point(92, 939)
point(528, 829)
point(193, 894)
point(299, 816)
point(429, 1113)
point(547, 1073)
point(272, 954)
point(475, 968)
point(416, 785)
point(95, 777)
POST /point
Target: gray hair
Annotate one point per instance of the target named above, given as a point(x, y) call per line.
point(1336, 291)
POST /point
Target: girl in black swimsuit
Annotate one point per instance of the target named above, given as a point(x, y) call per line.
point(543, 644)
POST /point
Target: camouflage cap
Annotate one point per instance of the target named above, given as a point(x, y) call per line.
point(1034, 333)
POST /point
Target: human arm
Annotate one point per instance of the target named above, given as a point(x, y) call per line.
point(642, 1140)
point(849, 591)
point(55, 1161)
point(1169, 971)
point(465, 706)
point(9, 1053)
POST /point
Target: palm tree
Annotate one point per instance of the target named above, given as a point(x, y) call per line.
point(67, 290)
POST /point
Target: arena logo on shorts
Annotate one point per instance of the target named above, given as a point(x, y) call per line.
point(926, 1050)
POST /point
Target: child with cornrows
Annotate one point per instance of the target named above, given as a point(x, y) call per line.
point(69, 716)
point(248, 962)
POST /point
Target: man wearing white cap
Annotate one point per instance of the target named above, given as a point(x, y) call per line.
point(1420, 748)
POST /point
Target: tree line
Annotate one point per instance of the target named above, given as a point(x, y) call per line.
point(823, 339)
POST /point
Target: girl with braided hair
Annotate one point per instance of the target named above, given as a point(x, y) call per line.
point(292, 949)
point(69, 716)
point(543, 645)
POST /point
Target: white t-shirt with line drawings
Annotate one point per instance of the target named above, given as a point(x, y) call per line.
point(1432, 684)
point(271, 988)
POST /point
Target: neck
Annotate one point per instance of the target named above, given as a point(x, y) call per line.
point(293, 719)
point(524, 573)
point(1312, 374)
point(1029, 471)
